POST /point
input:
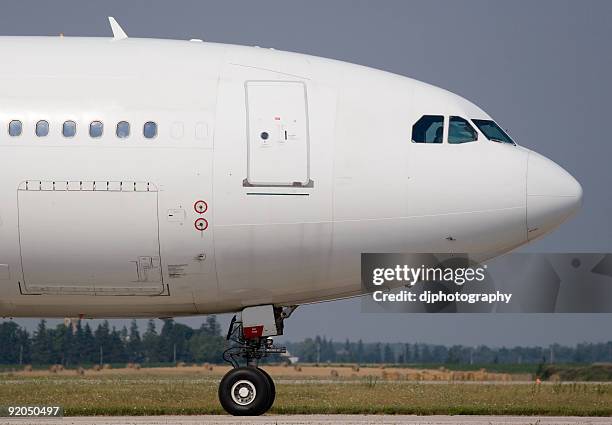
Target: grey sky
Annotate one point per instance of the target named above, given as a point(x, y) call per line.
point(542, 69)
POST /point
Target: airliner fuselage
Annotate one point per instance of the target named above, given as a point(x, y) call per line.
point(163, 178)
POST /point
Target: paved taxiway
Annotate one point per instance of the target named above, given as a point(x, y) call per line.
point(314, 420)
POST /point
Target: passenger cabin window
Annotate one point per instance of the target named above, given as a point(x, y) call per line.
point(123, 129)
point(95, 129)
point(493, 132)
point(150, 130)
point(428, 129)
point(201, 131)
point(460, 131)
point(15, 128)
point(42, 128)
point(177, 130)
point(69, 129)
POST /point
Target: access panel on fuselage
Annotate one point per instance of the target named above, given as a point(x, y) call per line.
point(89, 238)
point(278, 151)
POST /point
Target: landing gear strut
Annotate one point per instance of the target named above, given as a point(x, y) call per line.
point(249, 390)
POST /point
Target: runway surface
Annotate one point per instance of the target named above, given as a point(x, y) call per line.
point(313, 420)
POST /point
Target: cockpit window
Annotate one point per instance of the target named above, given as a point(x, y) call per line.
point(493, 131)
point(428, 129)
point(460, 131)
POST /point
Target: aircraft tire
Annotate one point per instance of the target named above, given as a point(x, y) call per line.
point(245, 391)
point(272, 389)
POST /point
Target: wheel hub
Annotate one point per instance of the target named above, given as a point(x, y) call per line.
point(243, 392)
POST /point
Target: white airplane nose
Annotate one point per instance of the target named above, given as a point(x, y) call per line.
point(553, 195)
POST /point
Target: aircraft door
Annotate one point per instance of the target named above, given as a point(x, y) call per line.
point(277, 127)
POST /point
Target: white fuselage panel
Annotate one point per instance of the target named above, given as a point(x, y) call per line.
point(268, 175)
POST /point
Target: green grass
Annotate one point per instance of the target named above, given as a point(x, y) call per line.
point(184, 393)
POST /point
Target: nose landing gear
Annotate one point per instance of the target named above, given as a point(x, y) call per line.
point(249, 390)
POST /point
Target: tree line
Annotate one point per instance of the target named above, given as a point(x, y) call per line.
point(70, 345)
point(321, 350)
point(77, 343)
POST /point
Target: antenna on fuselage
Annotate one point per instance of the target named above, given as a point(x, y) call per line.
point(118, 33)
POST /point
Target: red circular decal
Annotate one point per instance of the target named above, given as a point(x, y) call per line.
point(201, 224)
point(200, 207)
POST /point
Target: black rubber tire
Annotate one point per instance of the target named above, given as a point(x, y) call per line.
point(272, 389)
point(259, 405)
